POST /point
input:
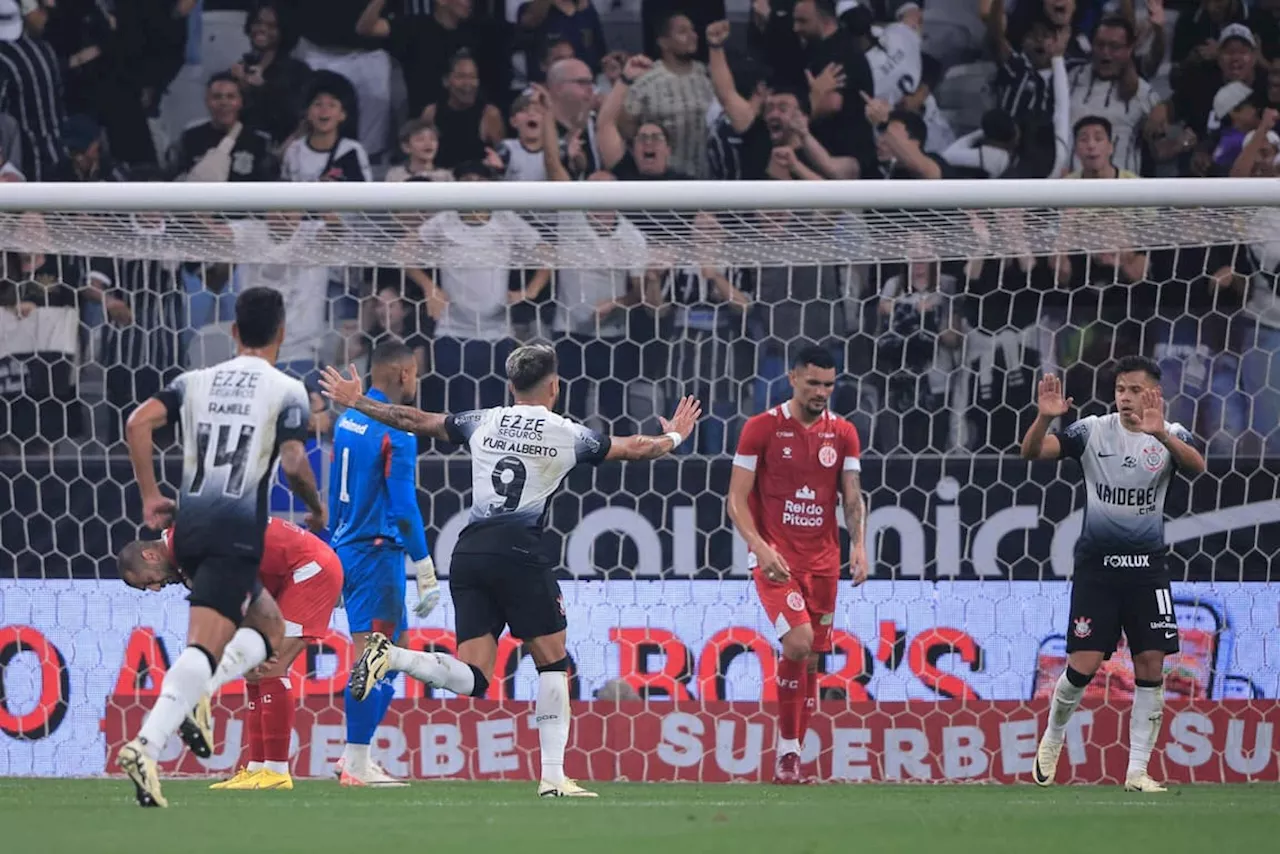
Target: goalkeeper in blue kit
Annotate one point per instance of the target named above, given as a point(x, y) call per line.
point(376, 523)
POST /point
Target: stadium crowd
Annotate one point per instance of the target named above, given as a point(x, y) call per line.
point(934, 356)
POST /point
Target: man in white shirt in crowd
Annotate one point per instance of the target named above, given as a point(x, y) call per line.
point(470, 299)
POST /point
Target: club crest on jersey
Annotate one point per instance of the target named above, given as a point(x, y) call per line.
point(827, 455)
point(1153, 457)
point(786, 452)
point(795, 601)
point(1083, 627)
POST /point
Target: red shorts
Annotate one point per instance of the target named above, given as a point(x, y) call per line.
point(309, 595)
point(801, 599)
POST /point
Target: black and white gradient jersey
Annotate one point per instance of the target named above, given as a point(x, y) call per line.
point(1126, 475)
point(520, 455)
point(234, 417)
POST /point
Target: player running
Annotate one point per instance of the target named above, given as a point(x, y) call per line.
point(373, 495)
point(304, 576)
point(236, 418)
point(793, 462)
point(1121, 581)
point(500, 574)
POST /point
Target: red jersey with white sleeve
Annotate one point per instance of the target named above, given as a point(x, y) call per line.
point(300, 572)
point(798, 471)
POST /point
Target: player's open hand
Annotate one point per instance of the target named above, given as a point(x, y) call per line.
point(1151, 414)
point(157, 512)
point(685, 418)
point(1049, 398)
point(342, 390)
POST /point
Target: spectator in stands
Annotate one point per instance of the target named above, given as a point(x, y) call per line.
point(391, 316)
point(675, 92)
point(1260, 345)
point(922, 102)
point(521, 157)
point(251, 157)
point(470, 303)
point(1264, 21)
point(703, 313)
point(425, 44)
point(573, 22)
point(839, 80)
point(324, 154)
point(650, 155)
point(1194, 90)
point(466, 124)
point(31, 92)
point(1026, 85)
point(1198, 36)
point(1259, 152)
point(82, 34)
point(144, 353)
point(1111, 87)
point(796, 153)
point(1238, 111)
point(419, 143)
point(595, 341)
point(738, 143)
point(654, 15)
point(89, 158)
point(893, 52)
point(569, 95)
point(273, 84)
point(1095, 151)
point(901, 149)
point(772, 38)
point(990, 150)
point(918, 353)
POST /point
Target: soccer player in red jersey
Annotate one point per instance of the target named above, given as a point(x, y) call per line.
point(793, 463)
point(304, 576)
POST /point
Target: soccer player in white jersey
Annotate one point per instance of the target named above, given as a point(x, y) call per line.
point(1121, 580)
point(236, 419)
point(500, 574)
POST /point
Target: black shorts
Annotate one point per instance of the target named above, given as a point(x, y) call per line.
point(491, 593)
point(227, 583)
point(1105, 603)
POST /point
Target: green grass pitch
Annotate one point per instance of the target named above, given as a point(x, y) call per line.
point(99, 817)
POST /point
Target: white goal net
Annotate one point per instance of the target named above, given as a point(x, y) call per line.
point(941, 303)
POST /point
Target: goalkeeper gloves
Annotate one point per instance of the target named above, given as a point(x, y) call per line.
point(428, 586)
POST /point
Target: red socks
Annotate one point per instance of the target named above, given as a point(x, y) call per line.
point(275, 714)
point(252, 724)
point(792, 679)
point(810, 693)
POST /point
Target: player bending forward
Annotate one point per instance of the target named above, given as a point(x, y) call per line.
point(1121, 581)
point(305, 578)
point(500, 573)
point(793, 463)
point(236, 418)
point(373, 496)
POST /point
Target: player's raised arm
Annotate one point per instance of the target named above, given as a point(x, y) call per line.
point(404, 513)
point(349, 392)
point(675, 431)
point(1038, 444)
point(157, 510)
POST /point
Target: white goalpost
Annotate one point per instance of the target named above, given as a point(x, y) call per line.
point(941, 302)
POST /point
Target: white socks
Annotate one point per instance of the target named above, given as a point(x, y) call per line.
point(434, 668)
point(245, 651)
point(254, 766)
point(183, 686)
point(788, 745)
point(1066, 698)
point(276, 767)
point(1144, 726)
point(355, 759)
point(551, 713)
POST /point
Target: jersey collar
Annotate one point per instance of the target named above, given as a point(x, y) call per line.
point(375, 394)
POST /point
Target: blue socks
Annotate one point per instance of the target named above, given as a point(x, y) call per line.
point(363, 717)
